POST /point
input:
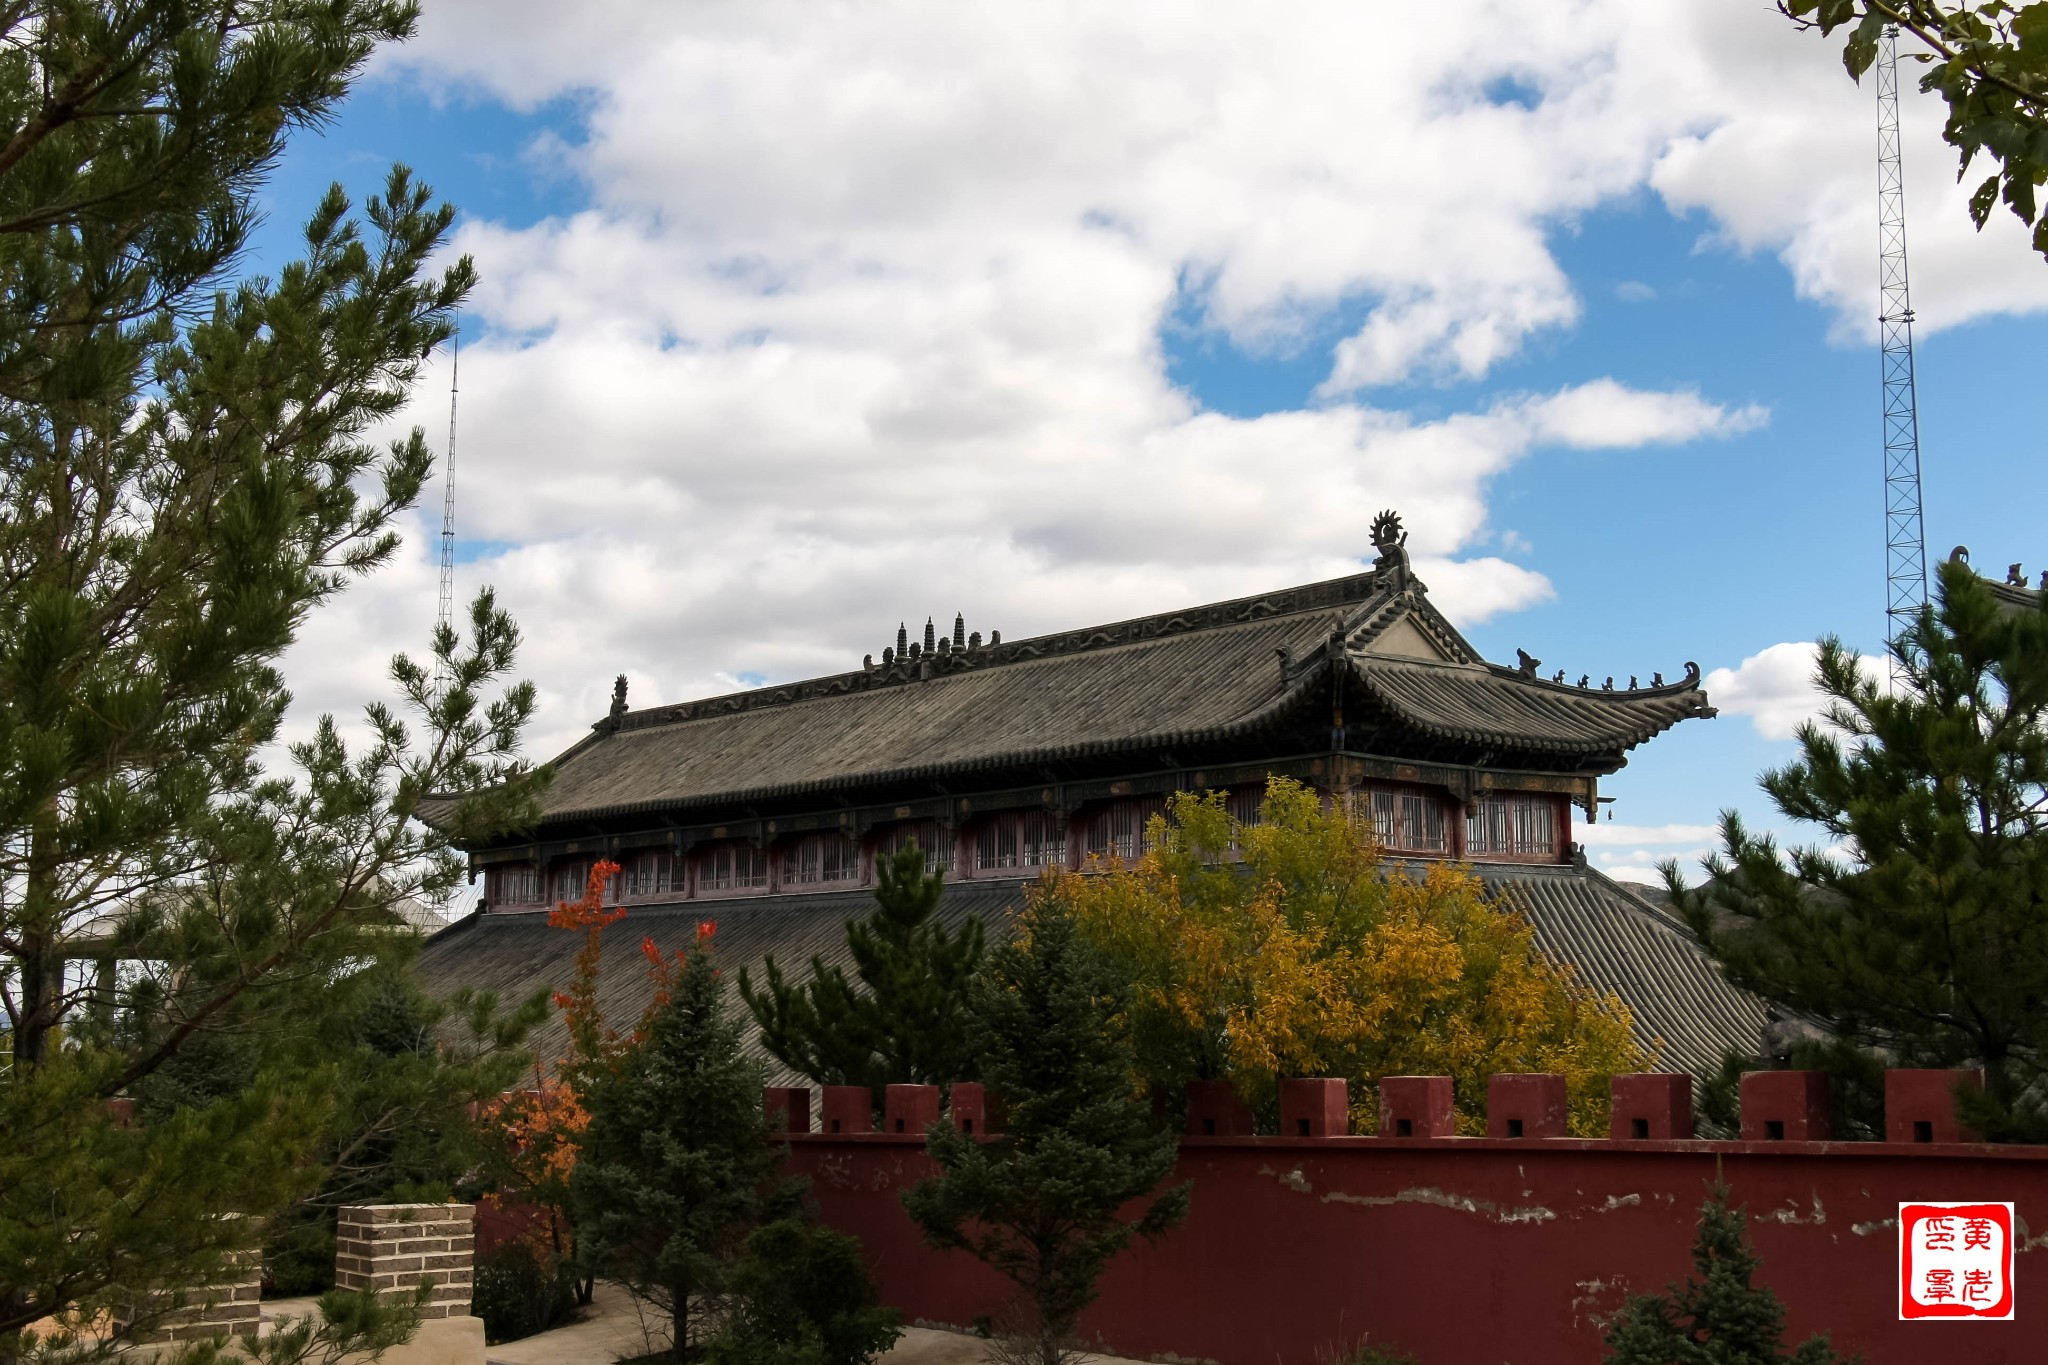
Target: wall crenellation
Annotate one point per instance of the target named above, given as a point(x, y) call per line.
point(1776, 1106)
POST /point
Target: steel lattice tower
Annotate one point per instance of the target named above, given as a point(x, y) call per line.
point(1905, 547)
point(445, 611)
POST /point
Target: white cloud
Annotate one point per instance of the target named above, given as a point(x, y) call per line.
point(863, 319)
point(1645, 874)
point(1604, 414)
point(1632, 853)
point(1786, 162)
point(1775, 688)
point(1608, 835)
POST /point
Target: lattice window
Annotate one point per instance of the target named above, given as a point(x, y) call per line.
point(820, 860)
point(1513, 825)
point(926, 834)
point(1243, 803)
point(1020, 839)
point(649, 873)
point(569, 879)
point(512, 884)
point(732, 867)
point(1404, 819)
point(1117, 830)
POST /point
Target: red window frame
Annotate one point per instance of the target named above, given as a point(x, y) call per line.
point(1406, 818)
point(1528, 827)
point(734, 867)
point(818, 860)
point(1117, 831)
point(932, 839)
point(651, 874)
point(510, 884)
point(1018, 843)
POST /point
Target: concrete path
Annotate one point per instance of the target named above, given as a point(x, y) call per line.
point(611, 1330)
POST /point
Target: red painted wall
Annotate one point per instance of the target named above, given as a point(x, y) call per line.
point(1461, 1250)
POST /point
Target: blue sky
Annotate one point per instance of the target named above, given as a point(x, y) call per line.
point(701, 260)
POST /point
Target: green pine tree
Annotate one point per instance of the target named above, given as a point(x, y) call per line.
point(187, 470)
point(404, 1072)
point(1921, 935)
point(901, 1020)
point(1041, 1202)
point(675, 1168)
point(1719, 1318)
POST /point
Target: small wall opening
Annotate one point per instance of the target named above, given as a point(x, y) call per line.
point(1639, 1128)
point(1208, 1128)
point(1923, 1130)
point(1514, 1128)
point(1404, 1128)
point(835, 1125)
point(1774, 1130)
point(899, 1125)
point(967, 1125)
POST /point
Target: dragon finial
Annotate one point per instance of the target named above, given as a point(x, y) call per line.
point(1528, 662)
point(1387, 532)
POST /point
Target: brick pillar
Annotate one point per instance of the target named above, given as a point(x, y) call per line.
point(392, 1247)
point(847, 1109)
point(1785, 1106)
point(788, 1108)
point(1314, 1107)
point(1418, 1106)
point(1920, 1106)
point(230, 1308)
point(1525, 1104)
point(1649, 1105)
point(967, 1108)
point(1214, 1110)
point(909, 1108)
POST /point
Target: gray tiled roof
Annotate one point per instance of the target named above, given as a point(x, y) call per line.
point(1206, 673)
point(1485, 704)
point(517, 953)
point(1619, 941)
point(1616, 941)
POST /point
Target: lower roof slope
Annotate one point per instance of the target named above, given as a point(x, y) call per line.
point(1617, 942)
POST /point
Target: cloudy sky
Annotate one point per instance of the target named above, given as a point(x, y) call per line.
point(798, 320)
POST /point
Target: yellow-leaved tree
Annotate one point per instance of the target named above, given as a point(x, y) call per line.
point(1290, 948)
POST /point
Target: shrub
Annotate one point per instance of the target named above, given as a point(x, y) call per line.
point(519, 1291)
point(803, 1297)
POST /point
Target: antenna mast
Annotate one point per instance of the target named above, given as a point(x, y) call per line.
point(1905, 550)
point(444, 617)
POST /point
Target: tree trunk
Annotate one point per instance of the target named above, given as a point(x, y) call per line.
point(42, 958)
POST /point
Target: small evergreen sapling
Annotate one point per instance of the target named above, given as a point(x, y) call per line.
point(1719, 1318)
point(1040, 1202)
point(901, 1021)
point(675, 1167)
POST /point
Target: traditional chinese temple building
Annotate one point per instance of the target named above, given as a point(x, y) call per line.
point(765, 810)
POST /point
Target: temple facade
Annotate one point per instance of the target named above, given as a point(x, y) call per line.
point(766, 809)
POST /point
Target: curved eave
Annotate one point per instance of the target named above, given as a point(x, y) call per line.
point(1296, 691)
point(1637, 715)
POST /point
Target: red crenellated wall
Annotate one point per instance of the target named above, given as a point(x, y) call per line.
point(1491, 1251)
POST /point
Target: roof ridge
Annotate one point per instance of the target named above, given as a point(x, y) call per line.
point(1690, 682)
point(1295, 601)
